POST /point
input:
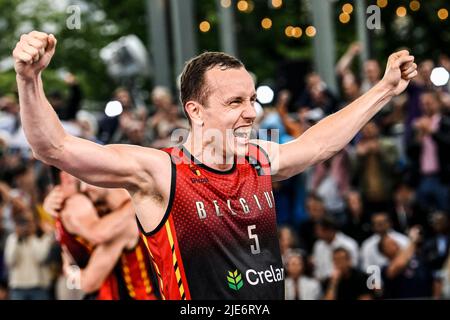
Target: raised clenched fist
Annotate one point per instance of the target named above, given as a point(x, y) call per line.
point(400, 70)
point(33, 53)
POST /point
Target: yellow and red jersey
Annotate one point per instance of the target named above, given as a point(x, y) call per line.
point(132, 277)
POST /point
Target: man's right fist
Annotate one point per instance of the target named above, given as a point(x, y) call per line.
point(33, 53)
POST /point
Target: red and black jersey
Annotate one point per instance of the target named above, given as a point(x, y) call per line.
point(79, 248)
point(218, 238)
point(132, 276)
point(135, 276)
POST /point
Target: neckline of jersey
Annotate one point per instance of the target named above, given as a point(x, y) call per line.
point(204, 166)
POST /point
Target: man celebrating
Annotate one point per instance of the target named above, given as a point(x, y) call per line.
point(205, 207)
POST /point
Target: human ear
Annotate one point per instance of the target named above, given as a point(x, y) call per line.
point(195, 112)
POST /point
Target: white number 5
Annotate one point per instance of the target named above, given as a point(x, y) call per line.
point(255, 248)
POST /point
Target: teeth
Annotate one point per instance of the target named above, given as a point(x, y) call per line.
point(242, 133)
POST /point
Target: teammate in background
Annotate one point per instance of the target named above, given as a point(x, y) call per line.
point(102, 240)
point(209, 222)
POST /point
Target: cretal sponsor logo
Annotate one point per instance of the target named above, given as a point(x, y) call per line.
point(254, 277)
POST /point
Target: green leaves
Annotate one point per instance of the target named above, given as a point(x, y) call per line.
point(235, 281)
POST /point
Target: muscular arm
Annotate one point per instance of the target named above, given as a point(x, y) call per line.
point(80, 217)
point(100, 265)
point(333, 133)
point(144, 172)
point(105, 257)
point(326, 138)
point(105, 166)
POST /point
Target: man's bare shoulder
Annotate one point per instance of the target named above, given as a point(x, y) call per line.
point(144, 155)
point(77, 208)
point(154, 168)
point(80, 202)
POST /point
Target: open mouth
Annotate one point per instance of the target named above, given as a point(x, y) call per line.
point(243, 132)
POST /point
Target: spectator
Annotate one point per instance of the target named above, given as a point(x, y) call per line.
point(166, 128)
point(25, 253)
point(109, 126)
point(406, 275)
point(317, 95)
point(417, 86)
point(6, 208)
point(329, 239)
point(392, 122)
point(9, 115)
point(331, 180)
point(88, 125)
point(381, 226)
point(375, 167)
point(345, 282)
point(371, 68)
point(351, 89)
point(372, 74)
point(406, 210)
point(67, 110)
point(297, 285)
point(442, 138)
point(316, 211)
point(423, 152)
point(287, 239)
point(290, 194)
point(437, 246)
point(166, 118)
point(357, 225)
point(294, 127)
point(343, 66)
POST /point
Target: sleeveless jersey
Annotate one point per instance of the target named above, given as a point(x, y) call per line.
point(132, 277)
point(218, 238)
point(79, 248)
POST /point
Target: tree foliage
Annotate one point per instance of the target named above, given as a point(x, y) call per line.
point(104, 21)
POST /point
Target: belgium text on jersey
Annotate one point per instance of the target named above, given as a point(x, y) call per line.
point(248, 205)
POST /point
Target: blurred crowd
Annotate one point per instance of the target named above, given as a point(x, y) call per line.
point(370, 223)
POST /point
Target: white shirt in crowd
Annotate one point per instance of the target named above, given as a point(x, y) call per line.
point(329, 191)
point(307, 288)
point(323, 254)
point(24, 261)
point(371, 256)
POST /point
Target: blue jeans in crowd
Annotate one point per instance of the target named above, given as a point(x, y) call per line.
point(29, 294)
